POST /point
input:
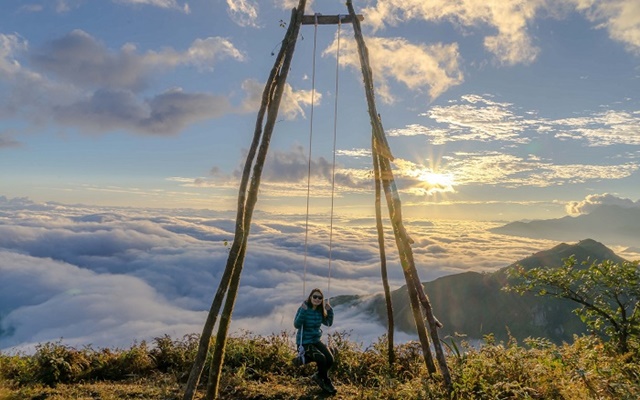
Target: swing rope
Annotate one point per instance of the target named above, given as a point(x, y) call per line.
point(313, 94)
point(301, 350)
point(335, 135)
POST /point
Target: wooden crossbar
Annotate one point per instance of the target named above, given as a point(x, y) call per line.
point(329, 19)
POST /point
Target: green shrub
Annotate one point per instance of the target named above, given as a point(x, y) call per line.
point(259, 356)
point(57, 363)
point(117, 364)
point(174, 356)
point(137, 360)
point(106, 366)
point(17, 368)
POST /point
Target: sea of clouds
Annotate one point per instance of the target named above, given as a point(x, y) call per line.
point(110, 277)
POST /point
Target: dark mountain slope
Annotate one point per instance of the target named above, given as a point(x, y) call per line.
point(474, 304)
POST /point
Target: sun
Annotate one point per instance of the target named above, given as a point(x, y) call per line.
point(436, 182)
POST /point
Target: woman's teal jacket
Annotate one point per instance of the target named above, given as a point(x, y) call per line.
point(308, 322)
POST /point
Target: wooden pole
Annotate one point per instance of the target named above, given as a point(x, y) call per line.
point(229, 282)
point(383, 261)
point(403, 241)
point(289, 44)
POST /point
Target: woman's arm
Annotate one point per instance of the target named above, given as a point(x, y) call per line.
point(329, 320)
point(299, 318)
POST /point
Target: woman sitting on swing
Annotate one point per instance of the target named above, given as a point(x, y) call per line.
point(313, 313)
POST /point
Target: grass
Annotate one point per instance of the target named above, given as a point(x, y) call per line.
point(260, 367)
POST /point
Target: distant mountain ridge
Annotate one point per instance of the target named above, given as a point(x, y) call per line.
point(607, 223)
point(473, 303)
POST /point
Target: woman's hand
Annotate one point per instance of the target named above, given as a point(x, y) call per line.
point(304, 305)
point(327, 306)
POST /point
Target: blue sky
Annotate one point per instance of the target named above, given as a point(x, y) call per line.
point(494, 110)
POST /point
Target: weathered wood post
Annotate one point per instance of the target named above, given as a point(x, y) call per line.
point(247, 199)
point(383, 259)
point(403, 241)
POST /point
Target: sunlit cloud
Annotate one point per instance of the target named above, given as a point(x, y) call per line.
point(9, 46)
point(243, 12)
point(602, 128)
point(285, 174)
point(593, 201)
point(422, 180)
point(292, 104)
point(493, 168)
point(475, 118)
point(290, 4)
point(356, 153)
point(511, 45)
point(621, 19)
point(430, 68)
point(203, 53)
point(479, 118)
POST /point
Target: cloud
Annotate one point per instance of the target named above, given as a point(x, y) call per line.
point(602, 128)
point(416, 66)
point(167, 113)
point(8, 142)
point(9, 46)
point(168, 4)
point(286, 173)
point(81, 83)
point(421, 180)
point(495, 168)
point(243, 12)
point(511, 45)
point(45, 300)
point(480, 118)
point(131, 274)
point(203, 53)
point(474, 117)
point(293, 166)
point(593, 201)
point(63, 6)
point(355, 153)
point(31, 8)
point(81, 60)
point(292, 103)
point(289, 4)
point(621, 19)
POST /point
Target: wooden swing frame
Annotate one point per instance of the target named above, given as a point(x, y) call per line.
point(248, 195)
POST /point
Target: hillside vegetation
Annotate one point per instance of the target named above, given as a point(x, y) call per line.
point(259, 367)
point(476, 304)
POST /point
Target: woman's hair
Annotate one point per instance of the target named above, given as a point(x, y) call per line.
point(310, 303)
